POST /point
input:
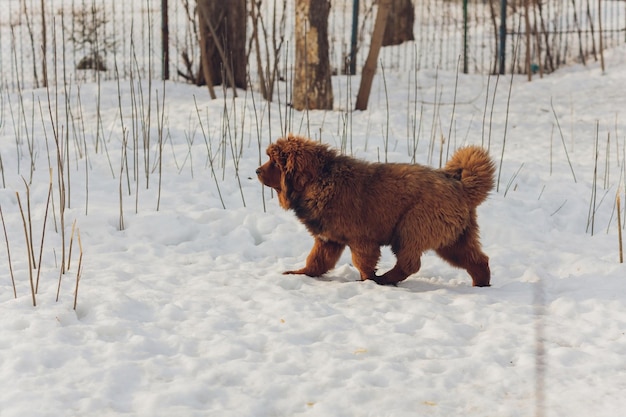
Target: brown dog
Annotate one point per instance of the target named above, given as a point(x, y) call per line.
point(343, 201)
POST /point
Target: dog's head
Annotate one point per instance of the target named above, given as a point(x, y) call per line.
point(293, 163)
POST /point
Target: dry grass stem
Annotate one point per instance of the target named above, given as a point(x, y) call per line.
point(563, 140)
point(6, 240)
point(69, 254)
point(28, 250)
point(619, 230)
point(80, 269)
point(43, 232)
point(210, 157)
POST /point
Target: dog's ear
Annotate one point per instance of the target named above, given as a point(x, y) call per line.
point(302, 165)
point(291, 147)
point(296, 171)
point(298, 160)
point(277, 156)
point(285, 154)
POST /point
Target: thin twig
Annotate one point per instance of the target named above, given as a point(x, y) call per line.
point(382, 68)
point(6, 239)
point(69, 254)
point(43, 232)
point(592, 201)
point(563, 140)
point(80, 269)
point(30, 261)
point(210, 156)
point(506, 124)
point(619, 229)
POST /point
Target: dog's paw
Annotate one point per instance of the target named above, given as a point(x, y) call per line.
point(380, 280)
point(301, 271)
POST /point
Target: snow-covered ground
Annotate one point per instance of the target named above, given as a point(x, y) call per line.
point(184, 311)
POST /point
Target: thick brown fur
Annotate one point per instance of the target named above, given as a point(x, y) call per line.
point(412, 208)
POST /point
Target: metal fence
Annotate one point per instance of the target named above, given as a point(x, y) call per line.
point(544, 36)
point(49, 41)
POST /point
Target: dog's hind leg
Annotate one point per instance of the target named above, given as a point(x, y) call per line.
point(408, 263)
point(322, 258)
point(466, 253)
point(408, 248)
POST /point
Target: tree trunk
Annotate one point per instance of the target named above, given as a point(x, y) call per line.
point(369, 69)
point(222, 27)
point(400, 22)
point(312, 88)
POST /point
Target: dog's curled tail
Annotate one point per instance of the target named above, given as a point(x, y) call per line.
point(475, 168)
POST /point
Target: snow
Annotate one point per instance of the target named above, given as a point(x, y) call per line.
point(184, 310)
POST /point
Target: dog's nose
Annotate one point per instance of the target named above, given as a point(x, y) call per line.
point(258, 171)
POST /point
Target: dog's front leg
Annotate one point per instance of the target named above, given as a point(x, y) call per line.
point(365, 257)
point(323, 257)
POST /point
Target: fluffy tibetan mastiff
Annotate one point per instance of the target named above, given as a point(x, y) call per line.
point(343, 202)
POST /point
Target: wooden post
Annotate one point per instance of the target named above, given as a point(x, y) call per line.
point(44, 46)
point(465, 23)
point(527, 24)
point(222, 30)
point(369, 69)
point(502, 36)
point(600, 34)
point(165, 40)
point(355, 29)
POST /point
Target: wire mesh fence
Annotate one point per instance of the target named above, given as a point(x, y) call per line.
point(52, 41)
point(544, 36)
